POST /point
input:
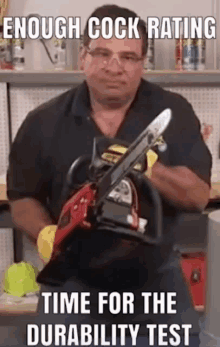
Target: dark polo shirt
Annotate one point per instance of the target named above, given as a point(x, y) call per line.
point(59, 131)
point(55, 134)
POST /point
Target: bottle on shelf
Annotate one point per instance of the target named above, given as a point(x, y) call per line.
point(5, 51)
point(179, 54)
point(149, 63)
point(18, 54)
point(200, 53)
point(194, 51)
point(189, 54)
point(60, 54)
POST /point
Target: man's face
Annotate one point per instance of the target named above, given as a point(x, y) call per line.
point(113, 68)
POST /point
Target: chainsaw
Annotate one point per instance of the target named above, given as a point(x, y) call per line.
point(108, 199)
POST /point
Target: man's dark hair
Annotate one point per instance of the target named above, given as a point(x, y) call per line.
point(114, 11)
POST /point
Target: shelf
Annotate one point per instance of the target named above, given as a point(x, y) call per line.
point(42, 77)
point(163, 77)
point(184, 78)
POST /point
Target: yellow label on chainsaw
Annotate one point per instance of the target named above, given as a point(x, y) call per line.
point(112, 158)
point(118, 148)
point(114, 152)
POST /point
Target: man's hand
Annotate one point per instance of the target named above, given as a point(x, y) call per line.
point(180, 186)
point(45, 242)
point(29, 215)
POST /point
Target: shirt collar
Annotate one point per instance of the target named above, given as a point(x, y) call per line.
point(81, 106)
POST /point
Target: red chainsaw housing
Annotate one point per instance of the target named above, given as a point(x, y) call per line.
point(74, 214)
point(194, 271)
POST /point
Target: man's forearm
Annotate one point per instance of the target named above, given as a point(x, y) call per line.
point(181, 186)
point(29, 215)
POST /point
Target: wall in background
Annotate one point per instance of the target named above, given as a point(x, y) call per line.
point(164, 48)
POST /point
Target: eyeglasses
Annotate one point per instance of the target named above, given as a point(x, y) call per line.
point(103, 57)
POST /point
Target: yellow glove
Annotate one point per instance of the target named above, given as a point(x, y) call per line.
point(45, 242)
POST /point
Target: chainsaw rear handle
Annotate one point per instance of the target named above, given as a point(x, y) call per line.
point(77, 175)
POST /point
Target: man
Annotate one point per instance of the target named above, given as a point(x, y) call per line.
point(114, 102)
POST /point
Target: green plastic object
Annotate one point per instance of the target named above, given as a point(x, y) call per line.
point(20, 279)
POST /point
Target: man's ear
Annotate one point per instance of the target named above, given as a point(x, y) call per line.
point(82, 56)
